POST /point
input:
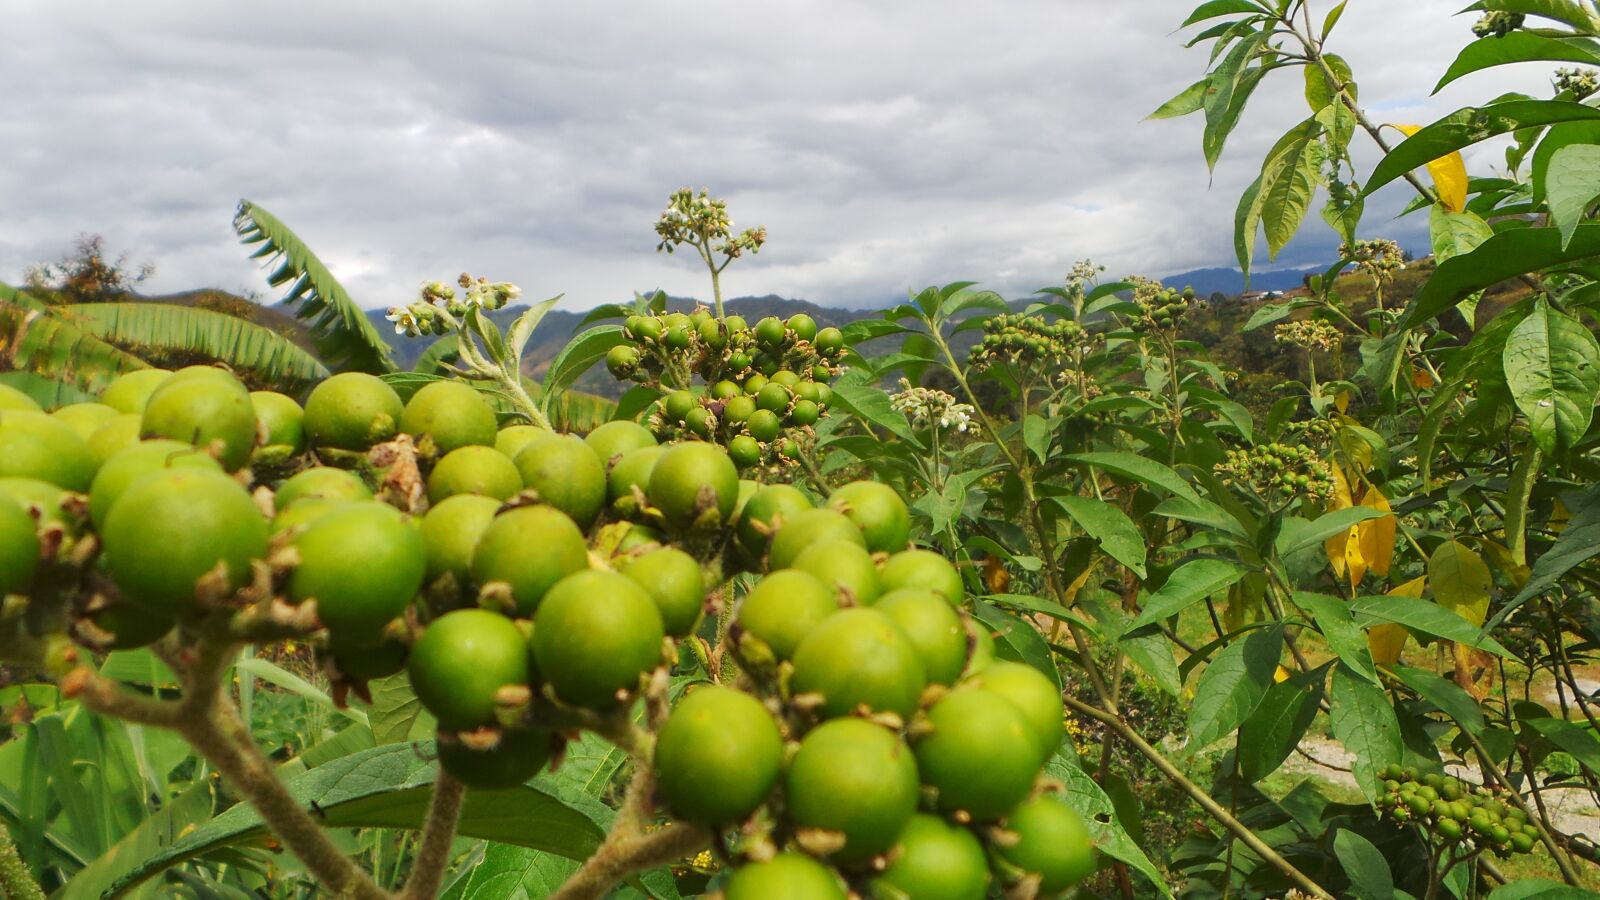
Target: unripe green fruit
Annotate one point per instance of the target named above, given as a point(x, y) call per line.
point(692, 479)
point(774, 398)
point(1052, 842)
point(698, 421)
point(787, 876)
point(768, 506)
point(474, 469)
point(717, 756)
point(711, 334)
point(1522, 843)
point(33, 445)
point(980, 756)
point(770, 331)
point(784, 607)
point(674, 581)
point(513, 438)
point(19, 547)
point(205, 519)
point(11, 398)
point(922, 569)
point(737, 410)
point(519, 756)
point(646, 328)
point(114, 436)
point(935, 630)
point(763, 425)
point(123, 470)
point(130, 391)
point(936, 860)
point(633, 469)
point(352, 411)
point(724, 390)
point(857, 778)
point(878, 511)
point(460, 662)
point(859, 658)
point(803, 413)
point(598, 634)
point(450, 533)
point(1035, 695)
point(677, 404)
point(453, 413)
point(744, 451)
point(362, 566)
point(621, 360)
point(828, 341)
point(754, 384)
point(86, 418)
point(279, 421)
point(807, 527)
point(567, 474)
point(844, 566)
point(803, 326)
point(321, 483)
point(530, 548)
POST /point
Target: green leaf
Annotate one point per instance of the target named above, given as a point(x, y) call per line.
point(389, 787)
point(346, 339)
point(1539, 889)
point(1017, 640)
point(1427, 618)
point(1575, 740)
point(1552, 366)
point(1339, 629)
point(188, 333)
point(1190, 100)
point(1455, 233)
point(1118, 537)
point(1289, 179)
point(277, 675)
point(1276, 727)
point(868, 402)
point(1363, 863)
point(1471, 125)
point(576, 358)
point(1100, 815)
point(33, 339)
point(1320, 91)
point(1233, 685)
point(512, 873)
point(1445, 696)
point(1323, 527)
point(1231, 87)
point(45, 392)
point(1566, 11)
point(1211, 9)
point(1246, 218)
point(1578, 543)
point(1519, 46)
point(396, 714)
point(1137, 468)
point(446, 349)
point(1189, 584)
point(1267, 314)
point(1363, 720)
point(522, 329)
point(1036, 435)
point(1332, 19)
point(1572, 185)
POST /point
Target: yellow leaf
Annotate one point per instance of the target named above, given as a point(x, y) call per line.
point(1341, 400)
point(1338, 545)
point(1449, 175)
point(1461, 581)
point(1386, 641)
point(1420, 378)
point(1377, 535)
point(1281, 675)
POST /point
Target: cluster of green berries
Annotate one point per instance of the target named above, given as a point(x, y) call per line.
point(1278, 473)
point(1027, 341)
point(1161, 308)
point(1317, 431)
point(1499, 24)
point(764, 386)
point(1379, 258)
point(1455, 811)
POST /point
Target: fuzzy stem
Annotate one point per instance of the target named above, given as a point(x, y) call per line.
point(618, 858)
point(433, 850)
point(15, 881)
point(1207, 802)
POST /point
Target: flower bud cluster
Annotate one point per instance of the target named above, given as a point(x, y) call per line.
point(692, 218)
point(1379, 258)
point(1310, 335)
point(1580, 83)
point(1499, 24)
point(931, 407)
point(438, 304)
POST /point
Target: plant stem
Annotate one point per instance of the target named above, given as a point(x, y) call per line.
point(630, 847)
point(16, 883)
point(438, 831)
point(1206, 801)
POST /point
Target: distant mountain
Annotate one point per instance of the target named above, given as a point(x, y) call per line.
point(1231, 281)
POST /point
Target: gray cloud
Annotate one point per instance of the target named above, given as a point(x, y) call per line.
point(885, 145)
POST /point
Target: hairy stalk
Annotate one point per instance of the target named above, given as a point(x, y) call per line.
point(438, 830)
point(1568, 873)
point(15, 881)
point(1199, 795)
point(631, 846)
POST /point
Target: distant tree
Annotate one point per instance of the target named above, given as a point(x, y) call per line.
point(87, 276)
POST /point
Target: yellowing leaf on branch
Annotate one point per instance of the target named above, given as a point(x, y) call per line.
point(1386, 641)
point(1449, 174)
point(1365, 546)
point(1460, 580)
point(1377, 535)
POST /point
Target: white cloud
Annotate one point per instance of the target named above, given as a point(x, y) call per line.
point(885, 145)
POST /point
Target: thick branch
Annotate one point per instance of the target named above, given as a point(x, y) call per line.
point(433, 851)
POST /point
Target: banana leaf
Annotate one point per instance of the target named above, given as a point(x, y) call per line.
point(33, 338)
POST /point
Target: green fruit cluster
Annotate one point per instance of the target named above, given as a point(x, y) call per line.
point(1161, 308)
point(1278, 472)
point(1027, 341)
point(755, 390)
point(1455, 812)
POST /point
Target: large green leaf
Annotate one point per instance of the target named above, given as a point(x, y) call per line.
point(1370, 878)
point(1233, 685)
point(1578, 543)
point(1426, 618)
point(1098, 812)
point(1455, 233)
point(1232, 82)
point(1275, 728)
point(189, 331)
point(1444, 695)
point(33, 339)
point(1506, 255)
point(1017, 640)
point(1552, 366)
point(1572, 185)
point(346, 340)
point(576, 358)
point(1363, 720)
point(1137, 468)
point(1111, 528)
point(1289, 179)
point(49, 394)
point(1187, 585)
point(1470, 125)
point(389, 787)
point(1519, 46)
point(1338, 626)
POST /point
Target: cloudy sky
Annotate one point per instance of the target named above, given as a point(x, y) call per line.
point(885, 145)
